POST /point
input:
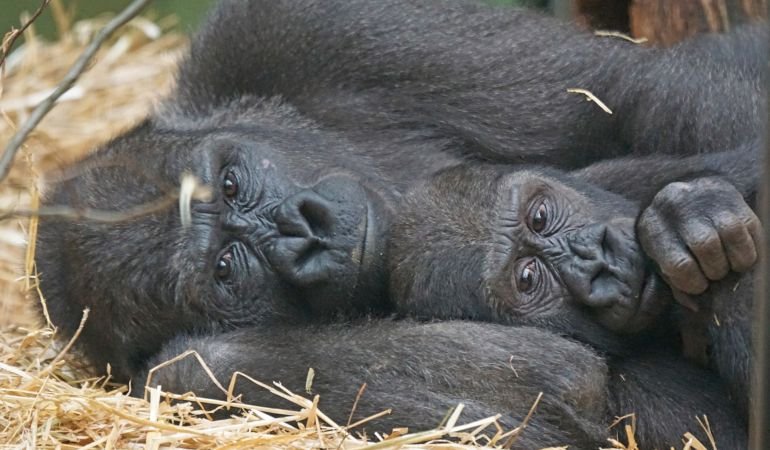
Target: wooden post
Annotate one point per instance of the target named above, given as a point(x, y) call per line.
point(664, 22)
point(760, 390)
point(603, 14)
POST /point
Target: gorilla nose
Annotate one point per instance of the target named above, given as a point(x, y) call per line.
point(306, 215)
point(587, 269)
point(319, 231)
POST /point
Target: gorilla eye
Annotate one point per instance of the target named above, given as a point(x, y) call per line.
point(526, 279)
point(539, 219)
point(230, 185)
point(224, 267)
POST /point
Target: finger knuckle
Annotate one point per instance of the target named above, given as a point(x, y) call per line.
point(672, 193)
point(734, 231)
point(679, 266)
point(752, 221)
point(705, 241)
point(744, 259)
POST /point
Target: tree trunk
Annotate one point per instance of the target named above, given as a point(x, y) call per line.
point(664, 22)
point(603, 14)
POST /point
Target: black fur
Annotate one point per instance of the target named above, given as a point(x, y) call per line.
point(421, 371)
point(322, 114)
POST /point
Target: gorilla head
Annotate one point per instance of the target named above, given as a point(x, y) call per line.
point(284, 235)
point(529, 245)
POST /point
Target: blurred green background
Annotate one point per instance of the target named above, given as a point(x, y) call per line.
point(189, 12)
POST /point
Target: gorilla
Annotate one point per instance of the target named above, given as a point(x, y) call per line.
point(311, 121)
point(537, 247)
point(567, 251)
point(476, 210)
point(489, 217)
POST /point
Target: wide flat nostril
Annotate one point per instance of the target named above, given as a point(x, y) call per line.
point(317, 215)
point(585, 270)
point(305, 214)
point(298, 260)
point(289, 221)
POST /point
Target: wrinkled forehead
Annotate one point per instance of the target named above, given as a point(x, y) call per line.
point(487, 186)
point(517, 186)
point(472, 199)
point(251, 151)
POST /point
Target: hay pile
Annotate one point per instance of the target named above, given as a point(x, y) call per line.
point(130, 72)
point(47, 399)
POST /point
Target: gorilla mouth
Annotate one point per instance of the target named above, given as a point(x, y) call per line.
point(369, 256)
point(651, 301)
point(647, 288)
point(638, 307)
point(369, 239)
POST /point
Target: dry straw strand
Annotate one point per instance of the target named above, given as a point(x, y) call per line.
point(69, 80)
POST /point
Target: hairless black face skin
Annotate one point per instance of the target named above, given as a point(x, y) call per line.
point(312, 120)
point(276, 233)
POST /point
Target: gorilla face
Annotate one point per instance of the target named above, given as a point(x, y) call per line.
point(530, 246)
point(283, 236)
point(279, 235)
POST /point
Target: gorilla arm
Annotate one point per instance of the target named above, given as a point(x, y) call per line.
point(421, 371)
point(493, 79)
point(704, 200)
point(641, 178)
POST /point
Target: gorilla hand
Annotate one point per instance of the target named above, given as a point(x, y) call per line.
point(697, 231)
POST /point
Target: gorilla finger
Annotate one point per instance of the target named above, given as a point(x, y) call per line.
point(649, 229)
point(685, 274)
point(704, 242)
point(685, 300)
point(738, 242)
point(678, 265)
point(754, 225)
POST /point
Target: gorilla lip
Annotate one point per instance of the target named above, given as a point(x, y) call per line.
point(367, 234)
point(646, 308)
point(369, 256)
point(365, 251)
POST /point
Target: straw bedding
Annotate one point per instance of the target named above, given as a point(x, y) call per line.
point(48, 399)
